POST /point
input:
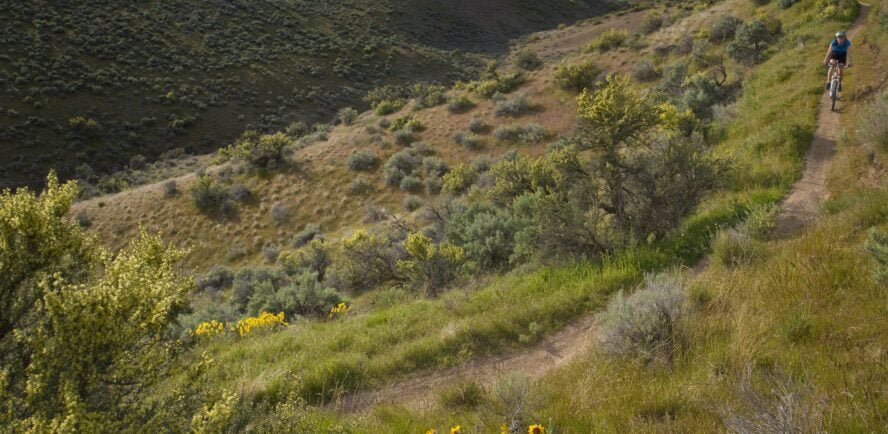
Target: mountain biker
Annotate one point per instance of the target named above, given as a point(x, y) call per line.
point(837, 55)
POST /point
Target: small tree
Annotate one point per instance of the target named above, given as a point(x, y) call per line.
point(430, 266)
point(750, 42)
point(259, 151)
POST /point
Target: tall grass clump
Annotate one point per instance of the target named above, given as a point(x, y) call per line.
point(610, 39)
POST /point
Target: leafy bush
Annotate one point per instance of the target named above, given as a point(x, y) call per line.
point(248, 279)
point(387, 107)
point(404, 137)
point(470, 141)
point(84, 220)
point(311, 231)
point(430, 267)
point(280, 213)
point(170, 188)
point(215, 280)
point(411, 184)
point(516, 106)
point(653, 20)
point(608, 40)
point(578, 76)
point(877, 246)
point(240, 193)
point(458, 180)
point(316, 256)
point(487, 235)
point(460, 103)
point(724, 28)
point(644, 71)
point(786, 4)
point(360, 185)
point(346, 115)
point(362, 161)
point(750, 42)
point(646, 323)
point(401, 165)
point(411, 203)
point(435, 167)
point(210, 196)
point(271, 252)
point(527, 134)
point(492, 82)
point(306, 296)
point(259, 151)
point(762, 220)
point(528, 60)
point(406, 123)
point(363, 261)
point(478, 126)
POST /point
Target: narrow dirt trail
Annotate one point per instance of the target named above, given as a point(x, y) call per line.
point(802, 205)
point(418, 392)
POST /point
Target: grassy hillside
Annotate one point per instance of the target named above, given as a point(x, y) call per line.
point(100, 82)
point(448, 225)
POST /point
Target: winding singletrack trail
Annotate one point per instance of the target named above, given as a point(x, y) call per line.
point(418, 392)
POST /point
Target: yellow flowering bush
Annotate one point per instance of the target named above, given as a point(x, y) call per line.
point(363, 261)
point(456, 430)
point(264, 321)
point(431, 266)
point(209, 329)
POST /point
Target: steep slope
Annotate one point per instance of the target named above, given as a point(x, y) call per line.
point(99, 82)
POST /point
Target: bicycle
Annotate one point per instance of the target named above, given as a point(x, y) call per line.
point(835, 84)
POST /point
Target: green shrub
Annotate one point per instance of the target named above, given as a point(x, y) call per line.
point(478, 126)
point(458, 180)
point(526, 134)
point(84, 220)
point(210, 196)
point(653, 20)
point(170, 188)
point(646, 323)
point(259, 151)
point(487, 235)
point(724, 28)
point(762, 220)
point(316, 256)
point(460, 103)
point(271, 251)
point(305, 296)
point(608, 40)
point(873, 125)
point(360, 185)
point(518, 105)
point(786, 4)
point(401, 165)
point(411, 184)
point(578, 76)
point(310, 232)
point(215, 280)
point(362, 161)
point(406, 123)
point(404, 137)
point(435, 167)
point(470, 141)
point(364, 261)
point(644, 71)
point(750, 42)
point(248, 279)
point(346, 115)
point(411, 203)
point(528, 60)
point(387, 107)
point(430, 267)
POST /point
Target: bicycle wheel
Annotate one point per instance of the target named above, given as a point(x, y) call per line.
point(833, 94)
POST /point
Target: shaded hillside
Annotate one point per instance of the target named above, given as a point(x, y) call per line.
point(102, 81)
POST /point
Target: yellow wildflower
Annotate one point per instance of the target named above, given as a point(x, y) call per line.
point(264, 321)
point(536, 429)
point(504, 429)
point(456, 430)
point(432, 431)
point(340, 309)
point(209, 329)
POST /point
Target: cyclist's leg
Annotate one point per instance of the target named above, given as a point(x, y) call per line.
point(829, 71)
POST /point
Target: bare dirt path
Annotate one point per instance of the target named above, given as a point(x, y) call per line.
point(418, 392)
point(802, 205)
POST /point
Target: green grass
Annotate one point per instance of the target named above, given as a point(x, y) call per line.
point(803, 313)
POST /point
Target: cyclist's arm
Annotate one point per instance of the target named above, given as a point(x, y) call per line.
point(828, 52)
